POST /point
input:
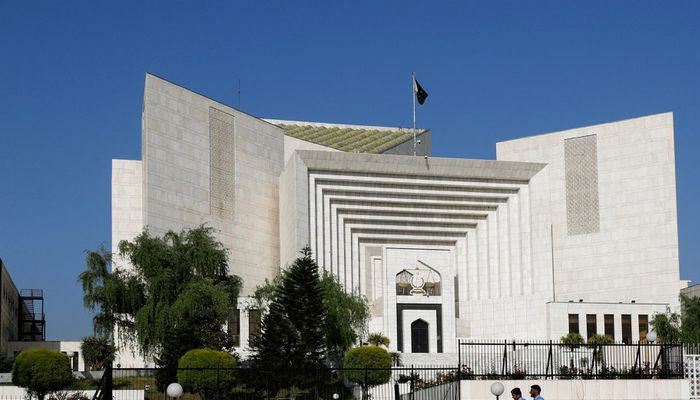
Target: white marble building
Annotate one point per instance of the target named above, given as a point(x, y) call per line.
point(566, 231)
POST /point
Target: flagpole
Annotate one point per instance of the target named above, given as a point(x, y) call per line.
point(413, 95)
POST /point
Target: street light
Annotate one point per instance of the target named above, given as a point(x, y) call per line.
point(497, 389)
point(174, 390)
point(651, 336)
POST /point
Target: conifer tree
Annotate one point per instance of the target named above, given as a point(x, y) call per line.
point(290, 350)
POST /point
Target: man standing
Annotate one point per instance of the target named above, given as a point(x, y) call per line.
point(535, 391)
point(517, 394)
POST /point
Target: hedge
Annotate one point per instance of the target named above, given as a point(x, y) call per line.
point(377, 361)
point(42, 371)
point(211, 370)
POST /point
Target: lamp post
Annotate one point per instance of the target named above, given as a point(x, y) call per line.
point(651, 336)
point(497, 389)
point(174, 390)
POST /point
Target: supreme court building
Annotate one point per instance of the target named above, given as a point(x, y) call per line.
point(565, 231)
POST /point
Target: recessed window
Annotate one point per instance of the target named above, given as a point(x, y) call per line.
point(643, 327)
point(573, 323)
point(610, 326)
point(253, 322)
point(626, 328)
point(591, 325)
point(234, 326)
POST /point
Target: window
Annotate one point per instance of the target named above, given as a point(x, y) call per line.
point(643, 327)
point(234, 326)
point(626, 328)
point(610, 325)
point(573, 323)
point(253, 322)
point(591, 325)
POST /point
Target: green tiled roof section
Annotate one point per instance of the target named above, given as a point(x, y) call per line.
point(348, 139)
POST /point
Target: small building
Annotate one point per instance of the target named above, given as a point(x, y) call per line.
point(692, 290)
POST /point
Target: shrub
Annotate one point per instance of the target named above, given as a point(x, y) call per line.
point(41, 371)
point(377, 339)
point(600, 339)
point(210, 370)
point(377, 361)
point(98, 352)
point(573, 340)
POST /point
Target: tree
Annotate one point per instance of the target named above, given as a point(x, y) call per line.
point(347, 314)
point(670, 327)
point(41, 371)
point(597, 342)
point(98, 352)
point(290, 349)
point(573, 340)
point(596, 339)
point(347, 317)
point(176, 297)
point(207, 372)
point(369, 366)
point(377, 339)
point(6, 361)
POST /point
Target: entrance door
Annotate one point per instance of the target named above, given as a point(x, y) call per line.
point(419, 337)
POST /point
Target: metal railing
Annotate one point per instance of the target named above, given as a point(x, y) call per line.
point(555, 360)
point(397, 383)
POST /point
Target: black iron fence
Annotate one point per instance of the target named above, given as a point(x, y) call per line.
point(554, 360)
point(495, 360)
point(397, 383)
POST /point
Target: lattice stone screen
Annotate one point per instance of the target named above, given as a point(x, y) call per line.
point(692, 374)
point(221, 163)
point(581, 163)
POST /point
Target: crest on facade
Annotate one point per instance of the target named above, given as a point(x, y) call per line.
point(421, 279)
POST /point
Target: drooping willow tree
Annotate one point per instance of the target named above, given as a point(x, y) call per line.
point(175, 296)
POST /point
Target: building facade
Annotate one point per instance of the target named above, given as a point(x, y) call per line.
point(567, 231)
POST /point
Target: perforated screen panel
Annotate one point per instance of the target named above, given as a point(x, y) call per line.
point(581, 159)
point(221, 163)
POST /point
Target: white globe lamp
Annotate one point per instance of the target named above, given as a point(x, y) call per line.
point(651, 336)
point(174, 390)
point(497, 389)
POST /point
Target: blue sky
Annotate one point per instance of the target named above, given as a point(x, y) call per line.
point(72, 74)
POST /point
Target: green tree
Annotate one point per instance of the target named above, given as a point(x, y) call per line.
point(600, 339)
point(176, 297)
point(597, 342)
point(573, 340)
point(290, 350)
point(98, 352)
point(6, 361)
point(347, 317)
point(377, 339)
point(671, 327)
point(347, 314)
point(206, 372)
point(369, 366)
point(41, 371)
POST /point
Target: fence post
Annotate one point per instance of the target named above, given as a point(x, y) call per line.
point(504, 364)
point(549, 361)
point(107, 392)
point(459, 359)
point(218, 378)
point(412, 383)
point(364, 386)
point(637, 359)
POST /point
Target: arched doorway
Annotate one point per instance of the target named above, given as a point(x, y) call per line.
point(419, 337)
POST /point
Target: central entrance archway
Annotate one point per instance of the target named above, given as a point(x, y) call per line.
point(419, 337)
